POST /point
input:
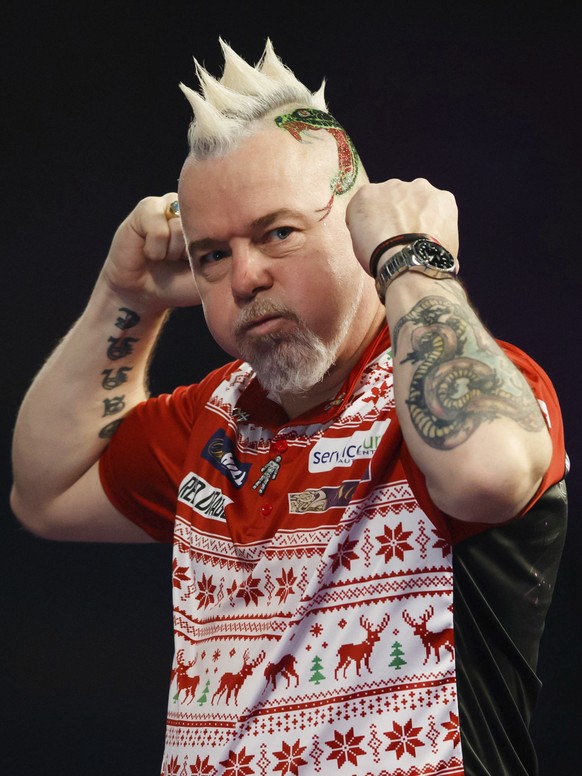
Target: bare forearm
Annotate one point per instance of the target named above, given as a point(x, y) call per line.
point(470, 419)
point(80, 396)
point(468, 416)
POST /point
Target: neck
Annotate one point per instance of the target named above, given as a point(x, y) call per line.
point(298, 404)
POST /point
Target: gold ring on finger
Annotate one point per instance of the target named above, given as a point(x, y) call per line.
point(173, 210)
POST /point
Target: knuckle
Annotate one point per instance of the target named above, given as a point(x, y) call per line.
point(146, 202)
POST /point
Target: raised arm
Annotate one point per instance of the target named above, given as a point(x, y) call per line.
point(468, 416)
point(96, 374)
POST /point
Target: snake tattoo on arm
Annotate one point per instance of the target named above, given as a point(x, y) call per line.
point(459, 381)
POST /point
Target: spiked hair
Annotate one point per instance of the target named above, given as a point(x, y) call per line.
point(227, 109)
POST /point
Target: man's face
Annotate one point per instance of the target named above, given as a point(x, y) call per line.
point(272, 255)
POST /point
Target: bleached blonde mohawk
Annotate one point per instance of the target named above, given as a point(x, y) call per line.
point(227, 110)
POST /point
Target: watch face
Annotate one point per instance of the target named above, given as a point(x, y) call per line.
point(434, 255)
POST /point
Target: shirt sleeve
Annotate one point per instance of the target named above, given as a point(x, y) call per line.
point(545, 393)
point(141, 467)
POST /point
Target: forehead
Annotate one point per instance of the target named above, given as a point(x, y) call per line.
point(270, 171)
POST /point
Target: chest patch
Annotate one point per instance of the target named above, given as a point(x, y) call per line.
point(327, 453)
point(203, 497)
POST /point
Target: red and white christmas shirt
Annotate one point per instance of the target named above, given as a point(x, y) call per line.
point(313, 596)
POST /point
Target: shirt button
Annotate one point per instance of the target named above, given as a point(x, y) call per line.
point(279, 445)
point(266, 510)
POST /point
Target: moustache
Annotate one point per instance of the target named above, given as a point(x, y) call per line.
point(262, 309)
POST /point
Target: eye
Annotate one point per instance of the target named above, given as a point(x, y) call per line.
point(279, 234)
point(212, 257)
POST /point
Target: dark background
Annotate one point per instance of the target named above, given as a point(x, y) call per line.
point(481, 99)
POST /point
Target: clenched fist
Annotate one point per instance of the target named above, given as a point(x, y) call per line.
point(147, 259)
point(381, 210)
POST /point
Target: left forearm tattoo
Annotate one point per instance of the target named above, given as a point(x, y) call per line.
point(462, 379)
point(118, 348)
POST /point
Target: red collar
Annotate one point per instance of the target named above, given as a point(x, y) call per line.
point(255, 403)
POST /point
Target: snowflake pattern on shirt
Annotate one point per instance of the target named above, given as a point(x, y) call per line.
point(313, 621)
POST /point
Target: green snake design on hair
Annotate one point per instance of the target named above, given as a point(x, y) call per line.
point(309, 119)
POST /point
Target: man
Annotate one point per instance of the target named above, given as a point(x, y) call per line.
point(366, 505)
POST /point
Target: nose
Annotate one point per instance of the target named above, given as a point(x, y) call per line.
point(250, 272)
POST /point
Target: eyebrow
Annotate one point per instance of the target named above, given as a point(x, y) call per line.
point(267, 220)
point(206, 243)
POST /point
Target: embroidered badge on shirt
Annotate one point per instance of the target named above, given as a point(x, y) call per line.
point(269, 472)
point(219, 451)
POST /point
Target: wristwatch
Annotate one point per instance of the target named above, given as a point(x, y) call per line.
point(420, 256)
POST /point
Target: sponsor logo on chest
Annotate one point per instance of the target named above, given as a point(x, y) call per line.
point(203, 497)
point(328, 453)
point(219, 451)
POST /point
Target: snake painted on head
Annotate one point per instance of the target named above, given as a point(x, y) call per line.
point(311, 119)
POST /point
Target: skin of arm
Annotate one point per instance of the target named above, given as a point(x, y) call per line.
point(94, 377)
point(467, 414)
